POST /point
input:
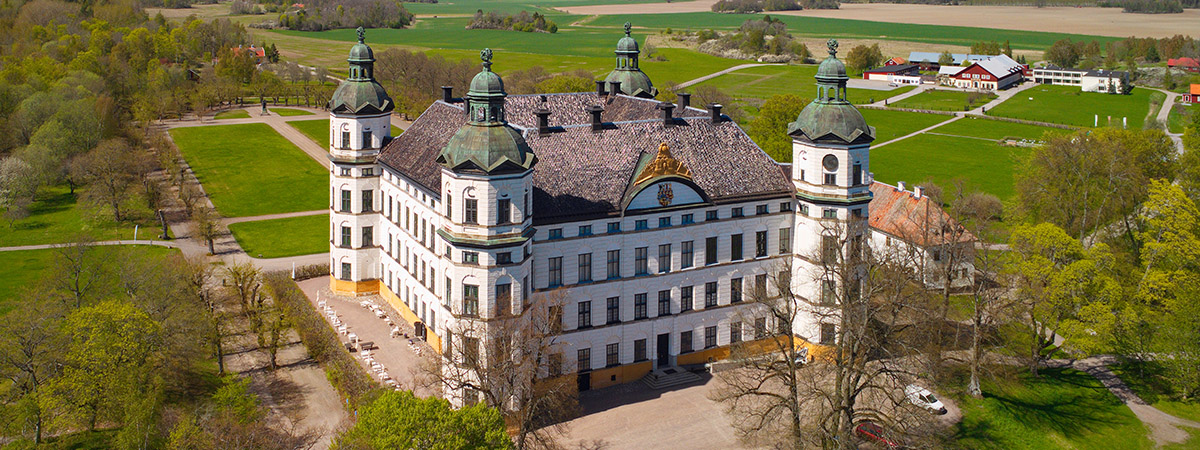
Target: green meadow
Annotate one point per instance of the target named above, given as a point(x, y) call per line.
point(24, 269)
point(763, 82)
point(232, 114)
point(250, 170)
point(1070, 106)
point(943, 100)
point(995, 129)
point(277, 238)
point(59, 216)
point(317, 130)
point(891, 124)
point(286, 112)
point(981, 164)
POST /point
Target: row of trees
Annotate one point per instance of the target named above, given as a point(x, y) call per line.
point(1127, 52)
point(521, 21)
point(324, 15)
point(755, 6)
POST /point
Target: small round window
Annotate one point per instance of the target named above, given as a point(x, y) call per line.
point(830, 163)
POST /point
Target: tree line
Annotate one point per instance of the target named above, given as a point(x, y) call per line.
point(522, 21)
point(325, 15)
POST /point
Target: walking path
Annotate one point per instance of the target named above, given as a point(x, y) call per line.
point(233, 220)
point(721, 72)
point(934, 126)
point(887, 101)
point(1164, 117)
point(1000, 98)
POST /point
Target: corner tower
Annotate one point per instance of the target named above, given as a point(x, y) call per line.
point(359, 126)
point(633, 81)
point(830, 151)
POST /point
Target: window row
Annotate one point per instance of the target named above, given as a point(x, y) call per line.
point(735, 332)
point(665, 303)
point(667, 221)
point(469, 212)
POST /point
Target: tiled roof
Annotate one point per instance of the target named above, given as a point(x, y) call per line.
point(581, 173)
point(1195, 89)
point(1184, 61)
point(917, 220)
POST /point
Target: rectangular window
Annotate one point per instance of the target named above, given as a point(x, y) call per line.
point(555, 233)
point(856, 172)
point(345, 139)
point(737, 212)
point(640, 257)
point(503, 211)
point(785, 206)
point(685, 298)
point(685, 342)
point(345, 201)
point(556, 271)
point(710, 215)
point(760, 286)
point(449, 207)
point(345, 236)
point(829, 214)
point(585, 267)
point(503, 299)
point(687, 254)
point(687, 219)
point(760, 209)
point(760, 244)
point(710, 250)
point(828, 292)
point(710, 337)
point(828, 334)
point(612, 354)
point(831, 179)
point(760, 328)
point(504, 258)
point(613, 312)
point(583, 359)
point(710, 294)
point(803, 209)
point(735, 290)
point(829, 249)
point(470, 300)
point(664, 303)
point(785, 240)
point(614, 227)
point(368, 201)
point(735, 332)
point(470, 258)
point(368, 236)
point(640, 225)
point(639, 306)
point(664, 258)
point(735, 247)
point(585, 230)
point(346, 271)
point(449, 292)
point(366, 139)
point(471, 211)
point(584, 318)
point(345, 171)
point(639, 350)
point(664, 222)
point(614, 264)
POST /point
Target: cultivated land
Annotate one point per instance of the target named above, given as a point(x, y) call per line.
point(58, 217)
point(286, 112)
point(250, 170)
point(23, 269)
point(893, 124)
point(982, 164)
point(317, 130)
point(277, 238)
point(995, 129)
point(1070, 106)
point(944, 100)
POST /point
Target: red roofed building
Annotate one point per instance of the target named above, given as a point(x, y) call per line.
point(258, 52)
point(918, 229)
point(1193, 95)
point(1185, 63)
point(996, 73)
point(895, 61)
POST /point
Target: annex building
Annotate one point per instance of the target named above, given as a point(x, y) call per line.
point(654, 221)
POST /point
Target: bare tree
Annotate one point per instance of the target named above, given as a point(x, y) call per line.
point(207, 226)
point(245, 280)
point(109, 169)
point(272, 332)
point(76, 271)
point(514, 362)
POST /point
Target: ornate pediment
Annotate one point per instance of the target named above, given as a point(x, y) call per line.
point(663, 165)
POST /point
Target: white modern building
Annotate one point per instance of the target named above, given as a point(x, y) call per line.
point(1100, 80)
point(654, 221)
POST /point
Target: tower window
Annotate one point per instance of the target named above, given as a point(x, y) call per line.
point(345, 140)
point(366, 139)
point(471, 211)
point(504, 211)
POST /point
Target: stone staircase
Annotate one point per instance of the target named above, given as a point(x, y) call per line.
point(668, 377)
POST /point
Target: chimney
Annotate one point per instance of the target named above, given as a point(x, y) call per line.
point(685, 100)
point(668, 110)
point(900, 186)
point(543, 120)
point(595, 110)
point(918, 191)
point(600, 88)
point(448, 94)
point(715, 108)
point(614, 87)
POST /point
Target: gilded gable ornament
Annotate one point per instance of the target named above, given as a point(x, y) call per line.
point(663, 164)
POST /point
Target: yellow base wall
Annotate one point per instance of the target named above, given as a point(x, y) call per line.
point(610, 376)
point(353, 288)
point(409, 316)
point(815, 351)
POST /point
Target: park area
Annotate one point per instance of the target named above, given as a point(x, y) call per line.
point(892, 124)
point(25, 269)
point(317, 130)
point(945, 100)
point(1070, 106)
point(278, 238)
point(764, 82)
point(58, 216)
point(981, 163)
point(250, 170)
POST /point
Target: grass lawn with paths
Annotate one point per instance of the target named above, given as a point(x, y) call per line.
point(1070, 106)
point(232, 114)
point(58, 216)
point(764, 82)
point(943, 100)
point(317, 130)
point(995, 129)
point(286, 112)
point(983, 165)
point(250, 170)
point(277, 238)
point(893, 124)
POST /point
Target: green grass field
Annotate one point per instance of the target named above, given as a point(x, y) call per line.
point(942, 100)
point(982, 165)
point(763, 82)
point(893, 124)
point(508, 6)
point(26, 268)
point(58, 217)
point(1068, 105)
point(250, 169)
point(1063, 409)
point(995, 129)
point(317, 130)
point(1180, 117)
point(285, 112)
point(232, 114)
point(277, 238)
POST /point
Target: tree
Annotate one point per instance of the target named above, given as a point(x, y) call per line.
point(986, 48)
point(17, 187)
point(78, 271)
point(400, 420)
point(774, 116)
point(30, 345)
point(1062, 53)
point(565, 83)
point(1007, 49)
point(109, 170)
point(862, 57)
point(207, 226)
point(945, 59)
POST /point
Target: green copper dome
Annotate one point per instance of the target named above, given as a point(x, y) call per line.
point(633, 81)
point(359, 93)
point(831, 118)
point(487, 143)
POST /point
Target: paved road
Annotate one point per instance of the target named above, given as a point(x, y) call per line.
point(233, 220)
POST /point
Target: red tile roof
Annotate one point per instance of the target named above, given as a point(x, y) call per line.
point(913, 219)
point(1183, 62)
point(1195, 89)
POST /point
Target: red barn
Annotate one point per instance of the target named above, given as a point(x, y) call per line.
point(996, 73)
point(1193, 95)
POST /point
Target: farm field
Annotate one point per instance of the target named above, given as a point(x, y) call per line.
point(944, 100)
point(508, 6)
point(287, 112)
point(995, 129)
point(983, 165)
point(317, 130)
point(1062, 409)
point(277, 238)
point(25, 268)
point(1070, 106)
point(57, 216)
point(893, 124)
point(249, 169)
point(232, 114)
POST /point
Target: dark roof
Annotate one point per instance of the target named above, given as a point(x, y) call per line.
point(893, 68)
point(582, 173)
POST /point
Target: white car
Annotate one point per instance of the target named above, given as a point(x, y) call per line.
point(922, 397)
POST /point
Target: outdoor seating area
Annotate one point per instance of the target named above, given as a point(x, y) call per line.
point(364, 349)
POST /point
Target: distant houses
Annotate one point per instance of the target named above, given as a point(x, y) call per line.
point(1108, 81)
point(1192, 96)
point(929, 60)
point(895, 74)
point(1185, 63)
point(991, 74)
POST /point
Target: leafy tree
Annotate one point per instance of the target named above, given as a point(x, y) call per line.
point(399, 420)
point(109, 170)
point(945, 59)
point(1062, 53)
point(1007, 49)
point(207, 226)
point(986, 48)
point(17, 187)
point(773, 117)
point(862, 57)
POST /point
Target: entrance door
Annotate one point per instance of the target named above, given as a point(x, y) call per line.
point(664, 350)
point(585, 381)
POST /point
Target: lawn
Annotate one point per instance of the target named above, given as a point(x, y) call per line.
point(232, 114)
point(277, 238)
point(995, 129)
point(1179, 117)
point(26, 268)
point(1063, 409)
point(250, 169)
point(893, 124)
point(943, 100)
point(317, 130)
point(763, 82)
point(285, 112)
point(58, 216)
point(1068, 105)
point(983, 165)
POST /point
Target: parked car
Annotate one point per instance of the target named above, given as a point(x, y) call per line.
point(872, 432)
point(922, 397)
